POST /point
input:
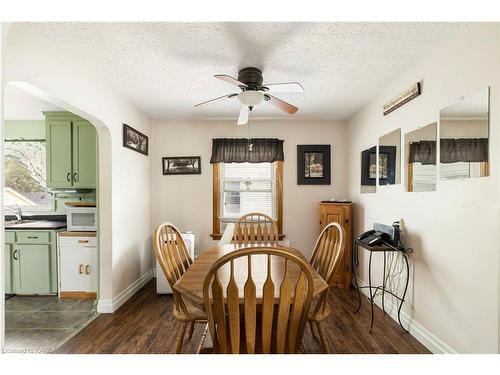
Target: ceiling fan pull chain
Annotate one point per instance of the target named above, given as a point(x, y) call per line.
point(250, 144)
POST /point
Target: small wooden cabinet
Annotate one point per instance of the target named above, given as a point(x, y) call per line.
point(340, 213)
point(78, 272)
point(71, 151)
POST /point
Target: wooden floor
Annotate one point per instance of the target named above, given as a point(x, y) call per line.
point(145, 325)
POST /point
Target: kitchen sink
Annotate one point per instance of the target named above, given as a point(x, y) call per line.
point(17, 222)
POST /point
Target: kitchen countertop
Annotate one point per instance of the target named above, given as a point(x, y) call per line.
point(34, 225)
point(77, 234)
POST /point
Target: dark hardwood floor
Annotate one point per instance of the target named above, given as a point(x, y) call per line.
point(145, 325)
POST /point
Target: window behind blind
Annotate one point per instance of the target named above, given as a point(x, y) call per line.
point(245, 188)
point(424, 177)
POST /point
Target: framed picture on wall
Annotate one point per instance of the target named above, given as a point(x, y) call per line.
point(135, 140)
point(181, 165)
point(387, 165)
point(369, 167)
point(313, 165)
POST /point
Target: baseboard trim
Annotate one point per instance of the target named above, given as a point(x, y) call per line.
point(107, 306)
point(422, 334)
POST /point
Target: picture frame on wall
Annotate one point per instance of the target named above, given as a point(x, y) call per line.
point(369, 167)
point(387, 165)
point(313, 165)
point(180, 165)
point(135, 140)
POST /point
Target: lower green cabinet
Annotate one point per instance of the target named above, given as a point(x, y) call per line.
point(8, 269)
point(31, 263)
point(32, 269)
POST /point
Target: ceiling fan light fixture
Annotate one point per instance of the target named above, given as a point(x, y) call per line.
point(251, 98)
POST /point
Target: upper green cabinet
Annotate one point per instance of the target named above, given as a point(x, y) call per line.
point(71, 151)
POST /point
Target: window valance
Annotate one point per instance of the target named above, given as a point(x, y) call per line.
point(452, 150)
point(423, 152)
point(464, 149)
point(237, 150)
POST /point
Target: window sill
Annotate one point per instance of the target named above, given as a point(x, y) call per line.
point(218, 236)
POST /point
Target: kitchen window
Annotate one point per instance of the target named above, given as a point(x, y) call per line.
point(241, 188)
point(25, 175)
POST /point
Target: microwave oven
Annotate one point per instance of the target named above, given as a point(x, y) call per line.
point(81, 219)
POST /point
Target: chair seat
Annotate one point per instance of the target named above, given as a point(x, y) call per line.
point(194, 312)
point(322, 314)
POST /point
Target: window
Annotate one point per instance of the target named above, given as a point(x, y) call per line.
point(423, 177)
point(461, 169)
point(241, 188)
point(25, 175)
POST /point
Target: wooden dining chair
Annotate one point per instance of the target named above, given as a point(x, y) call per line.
point(325, 259)
point(270, 318)
point(173, 256)
point(255, 227)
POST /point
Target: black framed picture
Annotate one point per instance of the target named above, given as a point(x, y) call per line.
point(386, 165)
point(369, 167)
point(181, 165)
point(313, 165)
point(135, 140)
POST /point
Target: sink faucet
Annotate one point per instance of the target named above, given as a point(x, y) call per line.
point(17, 211)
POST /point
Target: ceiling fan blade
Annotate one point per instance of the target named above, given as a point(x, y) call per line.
point(230, 79)
point(281, 104)
point(243, 117)
point(284, 87)
point(216, 99)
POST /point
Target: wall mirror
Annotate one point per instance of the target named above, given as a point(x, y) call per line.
point(420, 154)
point(389, 158)
point(369, 170)
point(464, 130)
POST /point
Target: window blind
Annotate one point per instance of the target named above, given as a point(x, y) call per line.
point(245, 188)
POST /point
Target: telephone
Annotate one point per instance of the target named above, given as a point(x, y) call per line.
point(374, 237)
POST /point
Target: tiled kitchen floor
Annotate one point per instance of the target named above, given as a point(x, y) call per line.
point(42, 324)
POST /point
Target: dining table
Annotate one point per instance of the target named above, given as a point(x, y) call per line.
point(190, 285)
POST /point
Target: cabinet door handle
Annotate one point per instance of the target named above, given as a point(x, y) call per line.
point(68, 176)
point(14, 255)
point(74, 177)
point(87, 269)
point(80, 269)
point(32, 237)
point(83, 241)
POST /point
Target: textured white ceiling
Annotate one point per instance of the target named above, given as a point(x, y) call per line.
point(19, 105)
point(165, 68)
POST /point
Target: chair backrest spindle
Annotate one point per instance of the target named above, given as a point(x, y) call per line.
point(255, 228)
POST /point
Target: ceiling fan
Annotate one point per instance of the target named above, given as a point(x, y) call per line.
point(253, 92)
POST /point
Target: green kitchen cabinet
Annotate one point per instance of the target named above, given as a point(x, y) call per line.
point(71, 151)
point(32, 269)
point(31, 262)
point(84, 154)
point(8, 269)
point(59, 158)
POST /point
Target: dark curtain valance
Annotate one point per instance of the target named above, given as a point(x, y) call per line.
point(452, 150)
point(423, 152)
point(237, 150)
point(464, 149)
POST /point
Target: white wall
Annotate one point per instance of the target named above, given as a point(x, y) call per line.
point(124, 175)
point(454, 290)
point(187, 200)
point(4, 27)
